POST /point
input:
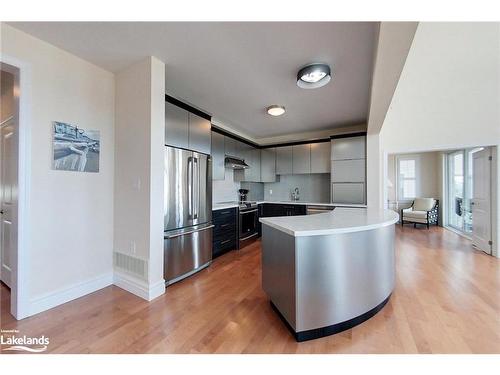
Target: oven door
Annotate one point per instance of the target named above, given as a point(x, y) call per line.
point(248, 224)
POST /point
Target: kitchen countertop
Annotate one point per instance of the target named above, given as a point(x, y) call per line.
point(341, 220)
point(223, 205)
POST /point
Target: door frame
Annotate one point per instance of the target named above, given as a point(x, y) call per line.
point(491, 186)
point(467, 155)
point(448, 182)
point(19, 298)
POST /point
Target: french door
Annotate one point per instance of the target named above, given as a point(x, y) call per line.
point(459, 189)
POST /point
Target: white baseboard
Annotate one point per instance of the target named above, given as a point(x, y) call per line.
point(64, 295)
point(139, 287)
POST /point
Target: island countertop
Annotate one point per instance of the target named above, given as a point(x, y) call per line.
point(340, 220)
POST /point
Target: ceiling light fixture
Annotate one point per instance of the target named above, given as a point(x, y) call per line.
point(313, 76)
point(276, 110)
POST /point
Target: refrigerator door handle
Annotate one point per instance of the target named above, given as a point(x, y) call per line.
point(190, 186)
point(196, 187)
point(189, 232)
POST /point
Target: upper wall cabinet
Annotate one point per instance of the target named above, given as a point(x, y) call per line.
point(320, 157)
point(218, 158)
point(230, 146)
point(348, 170)
point(268, 165)
point(348, 148)
point(284, 160)
point(186, 130)
point(301, 159)
point(199, 134)
point(176, 126)
point(251, 155)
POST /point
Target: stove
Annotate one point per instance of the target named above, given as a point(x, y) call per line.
point(248, 222)
point(247, 205)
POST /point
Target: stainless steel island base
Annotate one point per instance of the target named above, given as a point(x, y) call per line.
point(325, 284)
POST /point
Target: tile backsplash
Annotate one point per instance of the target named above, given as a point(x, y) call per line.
point(312, 188)
point(225, 190)
point(255, 190)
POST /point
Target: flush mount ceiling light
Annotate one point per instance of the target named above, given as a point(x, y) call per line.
point(313, 76)
point(276, 110)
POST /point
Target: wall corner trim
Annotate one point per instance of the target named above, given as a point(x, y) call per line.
point(59, 297)
point(139, 287)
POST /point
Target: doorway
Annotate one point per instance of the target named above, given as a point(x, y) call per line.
point(9, 160)
point(468, 194)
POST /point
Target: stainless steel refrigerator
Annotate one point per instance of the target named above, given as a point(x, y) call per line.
point(188, 213)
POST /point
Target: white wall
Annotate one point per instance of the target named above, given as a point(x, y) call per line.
point(449, 91)
point(394, 41)
point(70, 215)
point(139, 168)
point(448, 95)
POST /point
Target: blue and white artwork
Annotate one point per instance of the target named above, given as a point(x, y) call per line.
point(75, 149)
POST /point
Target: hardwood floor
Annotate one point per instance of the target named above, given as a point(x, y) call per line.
point(447, 300)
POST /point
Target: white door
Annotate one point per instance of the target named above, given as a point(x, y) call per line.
point(8, 198)
point(481, 200)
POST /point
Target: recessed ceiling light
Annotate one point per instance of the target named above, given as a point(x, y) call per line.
point(276, 110)
point(313, 76)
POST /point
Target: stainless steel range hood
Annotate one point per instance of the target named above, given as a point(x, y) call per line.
point(235, 163)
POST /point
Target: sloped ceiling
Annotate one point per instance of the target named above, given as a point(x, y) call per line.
point(394, 42)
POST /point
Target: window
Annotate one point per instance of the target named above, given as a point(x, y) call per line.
point(407, 171)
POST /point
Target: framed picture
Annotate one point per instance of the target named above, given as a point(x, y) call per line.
point(75, 149)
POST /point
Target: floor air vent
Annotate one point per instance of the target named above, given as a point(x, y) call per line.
point(135, 266)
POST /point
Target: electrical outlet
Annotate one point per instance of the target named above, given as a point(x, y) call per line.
point(270, 191)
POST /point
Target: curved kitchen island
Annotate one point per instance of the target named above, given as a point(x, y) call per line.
point(328, 272)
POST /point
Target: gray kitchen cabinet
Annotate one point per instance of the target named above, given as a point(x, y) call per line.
point(230, 146)
point(254, 175)
point(301, 159)
point(320, 157)
point(187, 130)
point(199, 134)
point(176, 126)
point(348, 193)
point(348, 148)
point(218, 169)
point(284, 160)
point(243, 150)
point(251, 155)
point(268, 165)
point(348, 170)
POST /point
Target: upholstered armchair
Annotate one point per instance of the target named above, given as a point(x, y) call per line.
point(422, 211)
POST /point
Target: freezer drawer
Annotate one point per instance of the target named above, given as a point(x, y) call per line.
point(187, 251)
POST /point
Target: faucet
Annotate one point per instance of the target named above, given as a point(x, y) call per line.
point(295, 194)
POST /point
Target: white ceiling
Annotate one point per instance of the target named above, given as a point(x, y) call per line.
point(235, 70)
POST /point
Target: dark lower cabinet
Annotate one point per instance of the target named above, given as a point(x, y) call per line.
point(280, 209)
point(225, 232)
